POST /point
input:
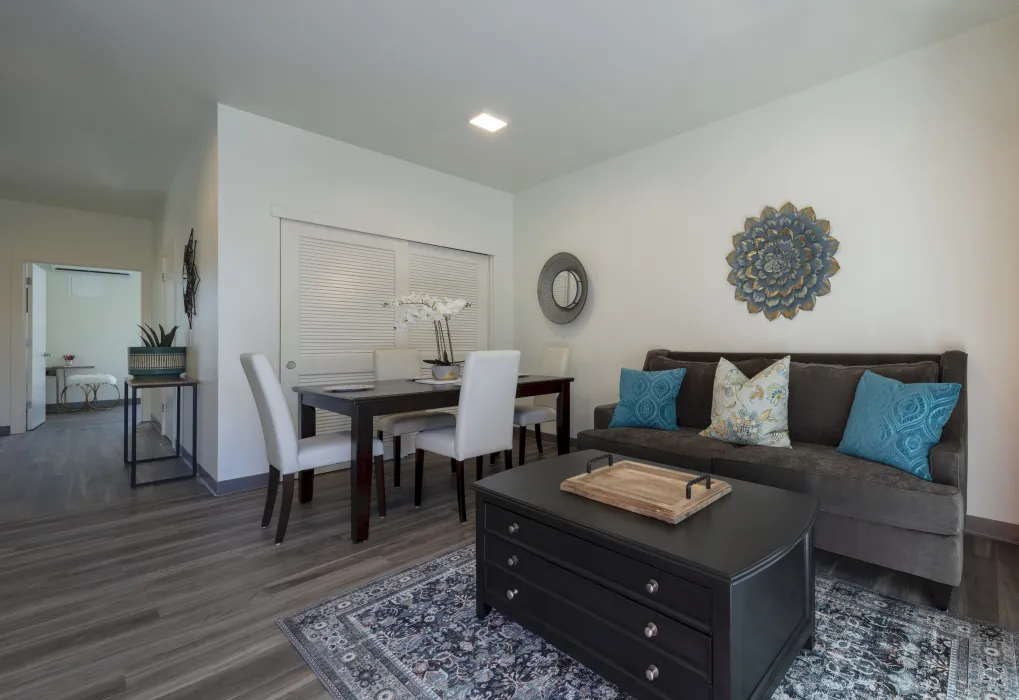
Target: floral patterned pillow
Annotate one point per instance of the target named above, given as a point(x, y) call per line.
point(750, 411)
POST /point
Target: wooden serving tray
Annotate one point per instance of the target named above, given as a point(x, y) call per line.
point(647, 490)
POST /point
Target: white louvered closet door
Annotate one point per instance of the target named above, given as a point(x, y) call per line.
point(332, 286)
point(444, 272)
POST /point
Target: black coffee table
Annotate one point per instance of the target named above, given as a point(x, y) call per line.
point(715, 607)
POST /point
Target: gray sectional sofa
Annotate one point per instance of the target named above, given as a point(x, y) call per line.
point(869, 511)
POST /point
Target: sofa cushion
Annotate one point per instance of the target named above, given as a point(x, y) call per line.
point(821, 396)
point(897, 424)
point(850, 486)
point(682, 448)
point(751, 410)
point(647, 399)
point(693, 403)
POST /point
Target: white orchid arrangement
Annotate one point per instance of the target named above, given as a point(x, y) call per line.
point(414, 307)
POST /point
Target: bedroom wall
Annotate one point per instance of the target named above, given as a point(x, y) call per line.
point(33, 233)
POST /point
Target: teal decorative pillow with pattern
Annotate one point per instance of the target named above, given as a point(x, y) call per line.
point(647, 399)
point(750, 411)
point(897, 424)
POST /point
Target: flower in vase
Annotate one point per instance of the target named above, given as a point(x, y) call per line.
point(417, 307)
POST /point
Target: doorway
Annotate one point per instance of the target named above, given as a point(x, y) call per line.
point(78, 321)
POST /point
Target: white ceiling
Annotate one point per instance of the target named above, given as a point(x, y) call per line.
point(99, 99)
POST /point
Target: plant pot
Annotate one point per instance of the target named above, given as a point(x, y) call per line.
point(156, 362)
point(445, 373)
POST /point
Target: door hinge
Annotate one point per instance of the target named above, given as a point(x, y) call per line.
point(28, 281)
point(29, 404)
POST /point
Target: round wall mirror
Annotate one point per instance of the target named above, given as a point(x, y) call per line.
point(562, 288)
point(566, 289)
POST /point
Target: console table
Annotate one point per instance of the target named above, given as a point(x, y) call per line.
point(131, 389)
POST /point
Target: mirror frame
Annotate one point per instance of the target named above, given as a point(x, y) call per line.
point(561, 262)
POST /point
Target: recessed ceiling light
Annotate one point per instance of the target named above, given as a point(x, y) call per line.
point(488, 122)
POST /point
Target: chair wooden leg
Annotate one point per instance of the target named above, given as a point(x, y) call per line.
point(419, 472)
point(461, 492)
point(380, 484)
point(492, 457)
point(508, 458)
point(522, 431)
point(452, 466)
point(288, 499)
point(396, 461)
point(480, 468)
point(270, 495)
point(537, 438)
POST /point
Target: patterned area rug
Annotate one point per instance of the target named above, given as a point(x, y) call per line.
point(414, 634)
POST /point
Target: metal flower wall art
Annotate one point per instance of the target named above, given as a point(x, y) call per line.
point(781, 262)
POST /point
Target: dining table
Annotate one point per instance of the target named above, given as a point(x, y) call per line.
point(400, 396)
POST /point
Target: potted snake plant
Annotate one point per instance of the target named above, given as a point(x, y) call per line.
point(157, 356)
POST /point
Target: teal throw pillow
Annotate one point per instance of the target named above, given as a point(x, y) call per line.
point(647, 399)
point(897, 424)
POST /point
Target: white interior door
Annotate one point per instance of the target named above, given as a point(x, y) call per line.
point(333, 283)
point(37, 355)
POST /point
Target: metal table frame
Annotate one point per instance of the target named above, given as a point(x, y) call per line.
point(131, 388)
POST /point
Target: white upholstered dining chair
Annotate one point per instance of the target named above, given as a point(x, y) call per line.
point(405, 363)
point(555, 362)
point(288, 455)
point(484, 422)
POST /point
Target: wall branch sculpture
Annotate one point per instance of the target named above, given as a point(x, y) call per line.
point(191, 279)
point(781, 262)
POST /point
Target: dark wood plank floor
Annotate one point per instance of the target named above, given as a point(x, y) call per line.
point(169, 592)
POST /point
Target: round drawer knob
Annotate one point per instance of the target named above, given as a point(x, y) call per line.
point(512, 593)
point(514, 529)
point(651, 673)
point(651, 587)
point(651, 630)
point(512, 561)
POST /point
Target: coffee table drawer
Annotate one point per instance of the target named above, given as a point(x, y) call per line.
point(649, 667)
point(645, 625)
point(688, 601)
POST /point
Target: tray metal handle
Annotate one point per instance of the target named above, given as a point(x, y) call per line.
point(595, 460)
point(689, 485)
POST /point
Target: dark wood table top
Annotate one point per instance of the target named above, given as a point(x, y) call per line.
point(730, 538)
point(401, 388)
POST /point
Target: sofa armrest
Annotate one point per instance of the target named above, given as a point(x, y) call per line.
point(603, 415)
point(948, 463)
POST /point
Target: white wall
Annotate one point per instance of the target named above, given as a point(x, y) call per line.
point(265, 164)
point(916, 164)
point(32, 233)
point(97, 330)
point(192, 202)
